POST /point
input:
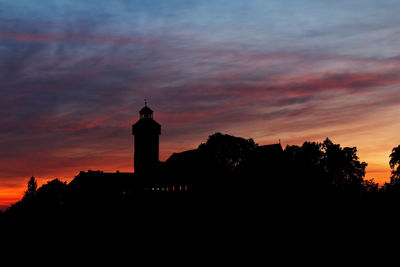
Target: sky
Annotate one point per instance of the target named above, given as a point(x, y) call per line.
point(74, 74)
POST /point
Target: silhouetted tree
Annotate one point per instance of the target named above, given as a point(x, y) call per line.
point(227, 151)
point(325, 164)
point(370, 185)
point(343, 166)
point(52, 193)
point(304, 163)
point(32, 189)
point(394, 164)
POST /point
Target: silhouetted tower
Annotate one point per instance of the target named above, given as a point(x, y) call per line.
point(146, 133)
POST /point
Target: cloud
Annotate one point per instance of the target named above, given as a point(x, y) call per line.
point(30, 37)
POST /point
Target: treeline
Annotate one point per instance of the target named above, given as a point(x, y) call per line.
point(244, 200)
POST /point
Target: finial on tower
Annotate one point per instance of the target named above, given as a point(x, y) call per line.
point(145, 102)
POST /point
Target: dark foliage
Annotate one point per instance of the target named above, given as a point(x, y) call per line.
point(395, 165)
point(326, 166)
point(32, 187)
point(226, 152)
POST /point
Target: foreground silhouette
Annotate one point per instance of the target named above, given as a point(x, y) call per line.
point(228, 199)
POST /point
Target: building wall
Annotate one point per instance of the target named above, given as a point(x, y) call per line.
point(146, 155)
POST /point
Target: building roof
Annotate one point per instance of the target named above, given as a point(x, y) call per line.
point(146, 110)
point(146, 125)
point(183, 155)
point(274, 148)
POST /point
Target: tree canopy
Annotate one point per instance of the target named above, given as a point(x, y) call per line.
point(32, 188)
point(226, 151)
point(325, 163)
point(394, 164)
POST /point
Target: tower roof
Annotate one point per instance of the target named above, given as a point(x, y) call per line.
point(145, 110)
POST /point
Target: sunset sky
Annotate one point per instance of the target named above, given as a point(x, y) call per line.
point(73, 76)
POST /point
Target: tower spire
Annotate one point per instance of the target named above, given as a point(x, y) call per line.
point(146, 143)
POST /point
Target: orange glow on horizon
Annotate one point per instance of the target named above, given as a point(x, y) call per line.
point(9, 195)
point(377, 159)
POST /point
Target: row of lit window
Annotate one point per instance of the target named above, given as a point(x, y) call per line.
point(171, 188)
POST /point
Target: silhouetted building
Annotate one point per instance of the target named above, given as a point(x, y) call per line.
point(176, 159)
point(185, 171)
point(267, 155)
point(146, 144)
point(265, 161)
